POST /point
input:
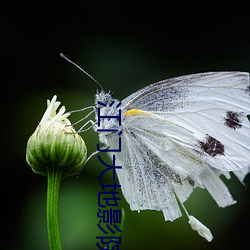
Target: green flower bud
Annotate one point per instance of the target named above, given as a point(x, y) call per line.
point(55, 144)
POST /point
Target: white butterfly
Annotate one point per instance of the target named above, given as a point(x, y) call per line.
point(179, 134)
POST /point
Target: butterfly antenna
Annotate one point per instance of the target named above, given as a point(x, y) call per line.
point(90, 76)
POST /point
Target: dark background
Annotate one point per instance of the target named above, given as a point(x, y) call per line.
point(125, 45)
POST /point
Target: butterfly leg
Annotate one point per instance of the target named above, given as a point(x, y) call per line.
point(86, 116)
point(83, 129)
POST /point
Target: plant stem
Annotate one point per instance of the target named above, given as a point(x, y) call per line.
point(53, 185)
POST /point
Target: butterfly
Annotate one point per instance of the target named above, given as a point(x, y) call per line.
point(176, 135)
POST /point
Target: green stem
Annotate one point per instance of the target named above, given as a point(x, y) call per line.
point(54, 177)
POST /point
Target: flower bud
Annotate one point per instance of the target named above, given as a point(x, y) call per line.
point(55, 144)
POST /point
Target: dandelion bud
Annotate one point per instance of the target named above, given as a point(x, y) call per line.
point(55, 143)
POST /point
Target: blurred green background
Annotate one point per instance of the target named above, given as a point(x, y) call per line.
point(125, 47)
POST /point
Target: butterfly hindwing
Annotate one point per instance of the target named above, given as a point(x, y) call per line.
point(143, 185)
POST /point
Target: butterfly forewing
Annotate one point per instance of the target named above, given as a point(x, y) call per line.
point(212, 106)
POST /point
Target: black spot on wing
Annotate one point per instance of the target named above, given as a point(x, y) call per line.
point(233, 119)
point(212, 146)
point(190, 181)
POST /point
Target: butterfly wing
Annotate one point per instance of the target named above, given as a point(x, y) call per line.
point(182, 133)
point(213, 106)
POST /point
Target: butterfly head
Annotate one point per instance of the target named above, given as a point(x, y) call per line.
point(103, 97)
